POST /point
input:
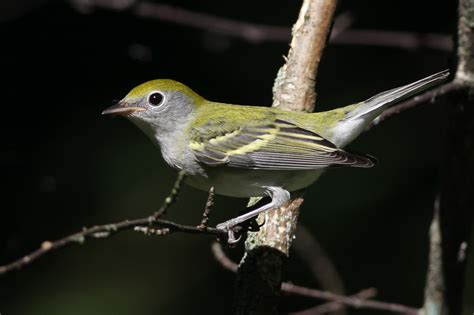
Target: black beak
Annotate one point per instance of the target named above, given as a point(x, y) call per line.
point(122, 108)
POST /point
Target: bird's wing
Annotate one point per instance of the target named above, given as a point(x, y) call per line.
point(280, 145)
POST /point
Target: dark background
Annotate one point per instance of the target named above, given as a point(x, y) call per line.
point(64, 166)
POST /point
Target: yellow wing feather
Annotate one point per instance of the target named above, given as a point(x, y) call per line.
point(279, 145)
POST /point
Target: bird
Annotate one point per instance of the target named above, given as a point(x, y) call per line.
point(251, 151)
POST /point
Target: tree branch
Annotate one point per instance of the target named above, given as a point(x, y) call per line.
point(207, 209)
point(259, 278)
point(259, 33)
point(251, 32)
point(316, 258)
point(395, 39)
point(334, 306)
point(349, 301)
point(107, 230)
point(294, 86)
point(465, 40)
point(359, 300)
point(453, 216)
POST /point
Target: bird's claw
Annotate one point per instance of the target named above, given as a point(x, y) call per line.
point(231, 240)
point(231, 231)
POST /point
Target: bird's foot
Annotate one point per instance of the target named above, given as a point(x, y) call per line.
point(231, 230)
point(234, 232)
point(233, 226)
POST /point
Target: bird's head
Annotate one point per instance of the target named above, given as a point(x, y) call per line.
point(158, 104)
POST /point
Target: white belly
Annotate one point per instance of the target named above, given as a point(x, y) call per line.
point(243, 183)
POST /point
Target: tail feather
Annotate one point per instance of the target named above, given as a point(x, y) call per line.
point(361, 159)
point(376, 104)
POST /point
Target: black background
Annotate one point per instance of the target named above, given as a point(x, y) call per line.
point(64, 166)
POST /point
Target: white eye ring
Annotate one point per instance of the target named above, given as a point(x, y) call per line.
point(156, 99)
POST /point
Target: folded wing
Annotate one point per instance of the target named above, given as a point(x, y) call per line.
point(280, 145)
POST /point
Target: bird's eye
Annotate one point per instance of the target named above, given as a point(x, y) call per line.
point(156, 99)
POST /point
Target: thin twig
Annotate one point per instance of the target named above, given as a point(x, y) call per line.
point(342, 23)
point(101, 232)
point(172, 197)
point(147, 230)
point(429, 95)
point(258, 33)
point(349, 301)
point(318, 261)
point(107, 230)
point(395, 39)
point(222, 258)
point(207, 209)
point(332, 306)
point(293, 289)
point(321, 266)
point(251, 32)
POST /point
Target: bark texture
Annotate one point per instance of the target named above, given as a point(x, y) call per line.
point(259, 277)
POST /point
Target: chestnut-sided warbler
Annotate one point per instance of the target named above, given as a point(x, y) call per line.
point(247, 151)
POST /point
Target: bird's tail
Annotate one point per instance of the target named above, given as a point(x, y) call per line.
point(376, 104)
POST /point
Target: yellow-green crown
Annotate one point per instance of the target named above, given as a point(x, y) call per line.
point(164, 85)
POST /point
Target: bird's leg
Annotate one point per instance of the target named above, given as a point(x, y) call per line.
point(279, 197)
